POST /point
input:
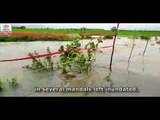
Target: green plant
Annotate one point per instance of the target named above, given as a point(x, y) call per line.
point(74, 60)
point(37, 64)
point(1, 85)
point(67, 58)
point(113, 28)
point(13, 82)
point(145, 37)
point(71, 59)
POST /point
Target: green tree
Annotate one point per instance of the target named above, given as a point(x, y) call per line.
point(113, 28)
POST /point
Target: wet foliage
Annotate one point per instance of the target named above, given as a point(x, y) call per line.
point(38, 64)
point(71, 59)
point(145, 37)
point(77, 60)
point(12, 82)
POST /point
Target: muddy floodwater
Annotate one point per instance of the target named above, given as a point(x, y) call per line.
point(141, 72)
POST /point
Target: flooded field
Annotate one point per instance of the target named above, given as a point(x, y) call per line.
point(141, 72)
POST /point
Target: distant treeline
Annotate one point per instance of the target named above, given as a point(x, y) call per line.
point(21, 27)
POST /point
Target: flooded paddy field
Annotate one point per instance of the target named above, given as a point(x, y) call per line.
point(142, 72)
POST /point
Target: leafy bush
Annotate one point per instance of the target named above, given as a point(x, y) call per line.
point(13, 82)
point(145, 37)
point(75, 60)
point(114, 28)
point(37, 64)
point(72, 59)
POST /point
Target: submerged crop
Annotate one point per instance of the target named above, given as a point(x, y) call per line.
point(13, 82)
point(38, 64)
point(76, 60)
point(72, 58)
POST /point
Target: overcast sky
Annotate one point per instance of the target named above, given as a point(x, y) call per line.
point(107, 26)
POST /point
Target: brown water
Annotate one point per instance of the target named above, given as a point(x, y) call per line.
point(142, 72)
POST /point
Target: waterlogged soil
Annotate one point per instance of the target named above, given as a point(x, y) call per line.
point(141, 72)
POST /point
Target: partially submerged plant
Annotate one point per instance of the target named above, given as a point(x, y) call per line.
point(145, 37)
point(1, 85)
point(74, 60)
point(37, 64)
point(67, 59)
point(71, 59)
point(13, 82)
point(48, 61)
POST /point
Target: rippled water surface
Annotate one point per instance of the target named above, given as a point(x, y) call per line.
point(142, 72)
